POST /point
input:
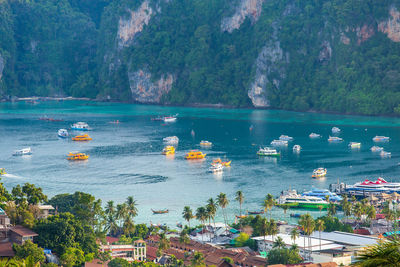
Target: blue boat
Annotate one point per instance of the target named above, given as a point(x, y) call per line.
point(63, 133)
point(322, 193)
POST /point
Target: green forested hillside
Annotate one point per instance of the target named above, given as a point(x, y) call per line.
point(331, 55)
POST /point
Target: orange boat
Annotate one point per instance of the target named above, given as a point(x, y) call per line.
point(84, 137)
point(195, 154)
point(223, 163)
point(77, 156)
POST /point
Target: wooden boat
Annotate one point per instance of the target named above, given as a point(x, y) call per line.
point(159, 211)
point(241, 216)
point(84, 137)
point(255, 212)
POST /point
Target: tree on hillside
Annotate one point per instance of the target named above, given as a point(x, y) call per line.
point(385, 253)
point(240, 198)
point(29, 249)
point(223, 202)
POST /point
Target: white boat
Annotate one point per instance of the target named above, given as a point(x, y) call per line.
point(269, 152)
point(294, 200)
point(376, 149)
point(22, 152)
point(385, 154)
point(170, 118)
point(172, 140)
point(216, 167)
point(335, 130)
point(318, 173)
point(279, 143)
point(296, 148)
point(368, 187)
point(354, 145)
point(381, 139)
point(285, 138)
point(205, 143)
point(80, 126)
point(63, 133)
point(314, 135)
point(334, 139)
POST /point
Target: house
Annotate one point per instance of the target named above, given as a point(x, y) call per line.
point(46, 211)
point(340, 257)
point(20, 234)
point(129, 252)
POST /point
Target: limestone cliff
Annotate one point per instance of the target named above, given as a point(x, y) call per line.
point(1, 66)
point(246, 9)
point(391, 26)
point(144, 90)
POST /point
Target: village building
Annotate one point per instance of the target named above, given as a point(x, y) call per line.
point(130, 252)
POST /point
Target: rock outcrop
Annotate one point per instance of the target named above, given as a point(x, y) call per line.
point(144, 90)
point(364, 33)
point(1, 66)
point(247, 8)
point(129, 28)
point(325, 53)
point(391, 26)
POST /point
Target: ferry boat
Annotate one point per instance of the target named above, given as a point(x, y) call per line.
point(376, 149)
point(279, 143)
point(63, 133)
point(77, 156)
point(80, 126)
point(3, 171)
point(322, 193)
point(381, 139)
point(195, 154)
point(285, 138)
point(216, 168)
point(314, 135)
point(172, 140)
point(23, 152)
point(354, 145)
point(334, 139)
point(84, 137)
point(385, 154)
point(205, 143)
point(294, 200)
point(269, 152)
point(366, 188)
point(168, 150)
point(336, 130)
point(318, 173)
point(296, 148)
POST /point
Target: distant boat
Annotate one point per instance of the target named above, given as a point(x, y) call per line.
point(159, 211)
point(81, 126)
point(255, 212)
point(63, 133)
point(49, 119)
point(334, 139)
point(381, 139)
point(269, 152)
point(314, 135)
point(385, 154)
point(171, 140)
point(170, 118)
point(205, 143)
point(376, 149)
point(355, 145)
point(336, 130)
point(296, 148)
point(318, 173)
point(22, 152)
point(216, 167)
point(279, 143)
point(285, 138)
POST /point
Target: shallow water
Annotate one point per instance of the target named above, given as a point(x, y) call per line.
point(125, 158)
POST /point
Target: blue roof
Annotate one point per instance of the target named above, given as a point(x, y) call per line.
point(391, 233)
point(2, 212)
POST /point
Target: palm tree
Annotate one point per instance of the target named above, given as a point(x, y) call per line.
point(198, 259)
point(268, 203)
point(320, 226)
point(201, 215)
point(121, 212)
point(285, 208)
point(327, 198)
point(358, 210)
point(371, 212)
point(164, 243)
point(131, 207)
point(223, 202)
point(320, 207)
point(128, 227)
point(110, 209)
point(264, 230)
point(187, 214)
point(111, 225)
point(278, 243)
point(308, 224)
point(211, 211)
point(294, 234)
point(273, 228)
point(331, 209)
point(385, 253)
point(184, 237)
point(240, 198)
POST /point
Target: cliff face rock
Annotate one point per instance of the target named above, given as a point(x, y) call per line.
point(270, 71)
point(391, 26)
point(364, 33)
point(144, 90)
point(246, 8)
point(1, 66)
point(326, 52)
point(129, 28)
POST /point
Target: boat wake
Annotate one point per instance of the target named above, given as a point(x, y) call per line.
point(8, 175)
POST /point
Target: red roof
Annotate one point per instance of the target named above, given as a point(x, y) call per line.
point(151, 253)
point(22, 231)
point(362, 231)
point(6, 250)
point(111, 239)
point(95, 263)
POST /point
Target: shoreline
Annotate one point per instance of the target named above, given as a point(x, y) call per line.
point(191, 105)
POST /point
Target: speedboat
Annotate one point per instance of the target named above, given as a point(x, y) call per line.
point(172, 140)
point(285, 138)
point(293, 200)
point(266, 151)
point(168, 150)
point(314, 135)
point(195, 154)
point(385, 154)
point(170, 118)
point(3, 171)
point(216, 168)
point(318, 173)
point(296, 148)
point(381, 139)
point(77, 156)
point(63, 133)
point(22, 152)
point(279, 143)
point(205, 143)
point(322, 193)
point(84, 137)
point(80, 126)
point(335, 130)
point(334, 139)
point(354, 145)
point(376, 149)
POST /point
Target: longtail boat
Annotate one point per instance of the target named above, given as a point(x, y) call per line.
point(159, 211)
point(255, 212)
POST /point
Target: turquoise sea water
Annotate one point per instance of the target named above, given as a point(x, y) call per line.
point(125, 159)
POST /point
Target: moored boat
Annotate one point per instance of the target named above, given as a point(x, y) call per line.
point(285, 138)
point(354, 145)
point(322, 193)
point(77, 156)
point(160, 211)
point(381, 139)
point(376, 149)
point(367, 187)
point(80, 126)
point(296, 148)
point(255, 212)
point(335, 139)
point(168, 150)
point(269, 152)
point(63, 133)
point(279, 143)
point(336, 130)
point(195, 154)
point(84, 137)
point(385, 154)
point(3, 171)
point(23, 152)
point(318, 173)
point(205, 143)
point(217, 167)
point(314, 135)
point(291, 199)
point(172, 140)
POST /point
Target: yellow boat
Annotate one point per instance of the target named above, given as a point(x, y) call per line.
point(77, 156)
point(2, 171)
point(195, 154)
point(84, 137)
point(168, 150)
point(223, 163)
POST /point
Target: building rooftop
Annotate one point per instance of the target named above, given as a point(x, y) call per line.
point(347, 238)
point(46, 207)
point(22, 231)
point(6, 250)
